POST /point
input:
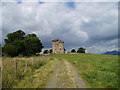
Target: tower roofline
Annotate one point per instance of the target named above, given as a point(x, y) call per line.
point(55, 40)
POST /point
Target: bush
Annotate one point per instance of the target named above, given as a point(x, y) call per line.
point(81, 50)
point(45, 52)
point(73, 51)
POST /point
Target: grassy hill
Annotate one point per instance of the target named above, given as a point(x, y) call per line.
point(97, 71)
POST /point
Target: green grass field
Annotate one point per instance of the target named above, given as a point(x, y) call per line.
point(97, 71)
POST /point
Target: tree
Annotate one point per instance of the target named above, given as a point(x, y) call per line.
point(50, 51)
point(17, 43)
point(10, 50)
point(32, 44)
point(20, 47)
point(0, 50)
point(45, 52)
point(81, 50)
point(14, 43)
point(11, 37)
point(73, 51)
point(64, 50)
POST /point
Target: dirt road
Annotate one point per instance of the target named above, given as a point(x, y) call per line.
point(65, 76)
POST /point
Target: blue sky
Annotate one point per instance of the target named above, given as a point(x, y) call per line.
point(19, 1)
point(71, 4)
point(93, 25)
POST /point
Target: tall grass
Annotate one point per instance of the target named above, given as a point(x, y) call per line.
point(12, 77)
point(98, 71)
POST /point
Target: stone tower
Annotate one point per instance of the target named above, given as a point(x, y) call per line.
point(57, 46)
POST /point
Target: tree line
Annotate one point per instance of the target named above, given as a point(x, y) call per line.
point(20, 44)
point(80, 50)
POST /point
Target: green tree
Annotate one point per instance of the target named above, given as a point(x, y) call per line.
point(45, 52)
point(73, 51)
point(81, 50)
point(0, 50)
point(14, 43)
point(32, 44)
point(11, 37)
point(10, 50)
point(50, 51)
point(64, 50)
point(17, 43)
point(20, 47)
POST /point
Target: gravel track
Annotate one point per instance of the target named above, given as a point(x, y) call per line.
point(65, 76)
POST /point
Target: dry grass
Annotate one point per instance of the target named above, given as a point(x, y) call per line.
point(25, 76)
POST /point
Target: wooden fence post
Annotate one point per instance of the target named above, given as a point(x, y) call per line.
point(43, 57)
point(26, 64)
point(32, 61)
point(16, 65)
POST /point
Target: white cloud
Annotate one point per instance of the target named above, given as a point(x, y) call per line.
point(82, 25)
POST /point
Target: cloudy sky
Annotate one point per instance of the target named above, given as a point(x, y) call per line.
point(93, 25)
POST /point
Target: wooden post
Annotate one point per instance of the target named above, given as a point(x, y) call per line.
point(1, 77)
point(32, 61)
point(43, 57)
point(26, 64)
point(16, 65)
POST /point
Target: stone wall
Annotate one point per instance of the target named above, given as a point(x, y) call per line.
point(57, 46)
